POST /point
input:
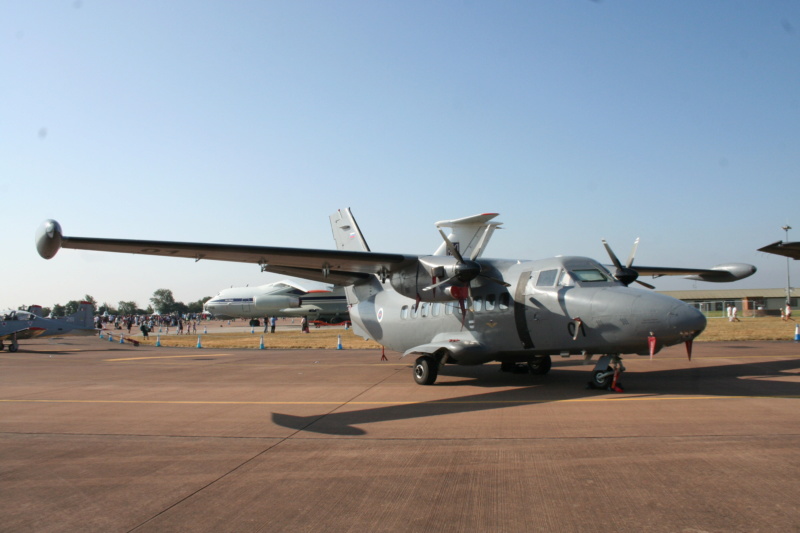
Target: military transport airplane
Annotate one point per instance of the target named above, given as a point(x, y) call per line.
point(455, 307)
point(17, 325)
point(282, 298)
point(788, 249)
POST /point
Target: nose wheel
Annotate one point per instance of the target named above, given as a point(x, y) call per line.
point(606, 373)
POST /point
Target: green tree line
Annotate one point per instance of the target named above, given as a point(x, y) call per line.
point(162, 301)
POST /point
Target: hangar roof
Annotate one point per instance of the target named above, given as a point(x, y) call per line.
point(734, 294)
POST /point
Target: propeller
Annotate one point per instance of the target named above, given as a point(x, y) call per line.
point(625, 274)
point(464, 272)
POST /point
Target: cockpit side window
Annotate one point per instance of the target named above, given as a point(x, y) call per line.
point(547, 278)
point(565, 280)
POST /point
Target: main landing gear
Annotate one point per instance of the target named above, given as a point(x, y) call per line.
point(538, 366)
point(13, 347)
point(606, 373)
point(426, 369)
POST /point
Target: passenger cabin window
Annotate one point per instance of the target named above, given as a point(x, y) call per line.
point(505, 301)
point(436, 309)
point(490, 302)
point(404, 312)
point(547, 278)
point(477, 304)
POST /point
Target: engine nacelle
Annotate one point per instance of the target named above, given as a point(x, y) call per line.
point(269, 302)
point(428, 271)
point(726, 273)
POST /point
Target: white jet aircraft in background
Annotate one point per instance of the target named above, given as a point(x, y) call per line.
point(282, 299)
point(456, 307)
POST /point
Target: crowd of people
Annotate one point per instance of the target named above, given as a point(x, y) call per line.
point(183, 324)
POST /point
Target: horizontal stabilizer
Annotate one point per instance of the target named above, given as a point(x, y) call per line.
point(469, 235)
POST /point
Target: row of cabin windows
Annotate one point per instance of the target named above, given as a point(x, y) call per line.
point(488, 303)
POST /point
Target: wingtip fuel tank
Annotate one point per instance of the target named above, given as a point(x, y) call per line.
point(48, 238)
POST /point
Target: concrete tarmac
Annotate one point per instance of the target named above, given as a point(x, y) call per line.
point(98, 436)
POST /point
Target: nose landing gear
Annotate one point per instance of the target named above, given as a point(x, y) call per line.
point(606, 373)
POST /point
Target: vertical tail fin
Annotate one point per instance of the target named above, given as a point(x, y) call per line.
point(469, 235)
point(84, 316)
point(348, 237)
point(346, 232)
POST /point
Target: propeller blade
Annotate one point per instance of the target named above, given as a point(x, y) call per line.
point(624, 274)
point(612, 255)
point(633, 253)
point(477, 250)
point(495, 280)
point(645, 284)
point(451, 248)
point(431, 287)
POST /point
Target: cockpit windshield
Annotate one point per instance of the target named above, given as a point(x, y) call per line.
point(589, 275)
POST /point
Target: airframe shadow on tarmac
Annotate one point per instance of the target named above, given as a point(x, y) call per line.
point(776, 379)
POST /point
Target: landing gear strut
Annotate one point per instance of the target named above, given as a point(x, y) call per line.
point(607, 372)
point(540, 365)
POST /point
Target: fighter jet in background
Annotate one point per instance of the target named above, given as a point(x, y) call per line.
point(17, 325)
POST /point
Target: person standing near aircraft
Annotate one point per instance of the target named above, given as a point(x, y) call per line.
point(272, 324)
point(304, 325)
point(266, 324)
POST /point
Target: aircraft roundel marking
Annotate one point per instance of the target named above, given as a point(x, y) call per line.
point(380, 314)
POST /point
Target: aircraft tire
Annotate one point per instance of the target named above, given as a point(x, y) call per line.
point(601, 379)
point(13, 347)
point(425, 370)
point(540, 365)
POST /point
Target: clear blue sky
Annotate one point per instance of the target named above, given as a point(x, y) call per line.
point(250, 122)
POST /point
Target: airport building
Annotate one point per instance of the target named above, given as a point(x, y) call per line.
point(749, 302)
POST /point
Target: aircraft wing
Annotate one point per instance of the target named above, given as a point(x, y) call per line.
point(22, 333)
point(721, 273)
point(331, 266)
point(788, 249)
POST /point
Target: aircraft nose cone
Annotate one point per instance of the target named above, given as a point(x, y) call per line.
point(688, 321)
